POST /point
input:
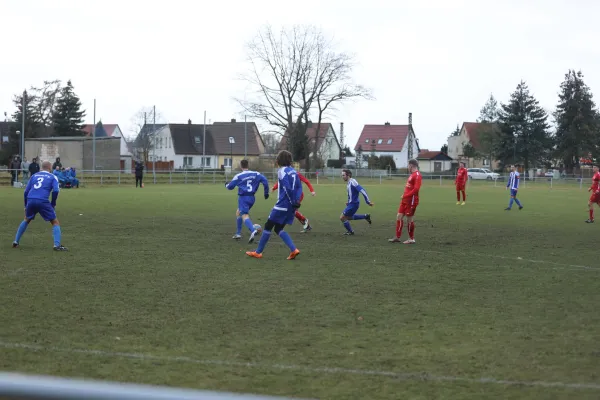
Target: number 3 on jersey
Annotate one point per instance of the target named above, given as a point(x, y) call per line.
point(249, 185)
point(39, 183)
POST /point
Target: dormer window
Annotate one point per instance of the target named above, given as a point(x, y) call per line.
point(389, 141)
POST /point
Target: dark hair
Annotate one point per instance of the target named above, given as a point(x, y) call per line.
point(347, 172)
point(284, 158)
point(244, 163)
point(413, 162)
point(462, 162)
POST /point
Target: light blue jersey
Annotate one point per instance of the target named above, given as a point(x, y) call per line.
point(513, 180)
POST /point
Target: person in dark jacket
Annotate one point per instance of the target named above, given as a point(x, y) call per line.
point(15, 168)
point(57, 163)
point(139, 173)
point(34, 167)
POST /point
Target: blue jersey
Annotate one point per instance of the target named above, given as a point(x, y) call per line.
point(40, 186)
point(289, 189)
point(513, 181)
point(248, 182)
point(354, 189)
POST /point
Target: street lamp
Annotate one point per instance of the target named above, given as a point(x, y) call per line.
point(231, 142)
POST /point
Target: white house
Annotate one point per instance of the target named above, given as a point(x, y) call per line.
point(434, 161)
point(183, 144)
point(112, 130)
point(325, 141)
point(470, 133)
point(388, 140)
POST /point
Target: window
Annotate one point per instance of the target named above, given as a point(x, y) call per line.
point(227, 162)
point(389, 141)
point(366, 140)
point(188, 161)
point(198, 140)
point(486, 163)
point(379, 141)
point(205, 162)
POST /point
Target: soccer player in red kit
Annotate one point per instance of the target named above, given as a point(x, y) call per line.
point(595, 197)
point(461, 182)
point(409, 203)
point(303, 220)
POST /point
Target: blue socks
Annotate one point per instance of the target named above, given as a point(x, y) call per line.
point(510, 203)
point(56, 235)
point(21, 230)
point(518, 202)
point(360, 216)
point(287, 240)
point(249, 225)
point(264, 238)
point(347, 226)
point(239, 226)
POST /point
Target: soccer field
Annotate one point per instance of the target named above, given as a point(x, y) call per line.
point(487, 304)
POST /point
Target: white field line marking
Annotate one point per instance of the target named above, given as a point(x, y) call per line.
point(421, 376)
point(574, 266)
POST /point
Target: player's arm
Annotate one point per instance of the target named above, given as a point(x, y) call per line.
point(275, 186)
point(362, 191)
point(233, 184)
point(55, 191)
point(308, 184)
point(415, 189)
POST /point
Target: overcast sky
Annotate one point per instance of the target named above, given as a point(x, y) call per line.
point(439, 59)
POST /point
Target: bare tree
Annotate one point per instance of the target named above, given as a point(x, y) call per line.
point(272, 142)
point(297, 75)
point(144, 132)
point(45, 100)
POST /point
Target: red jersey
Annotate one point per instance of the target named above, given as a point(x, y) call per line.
point(302, 179)
point(461, 176)
point(596, 182)
point(411, 190)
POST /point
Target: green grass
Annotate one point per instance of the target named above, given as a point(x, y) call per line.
point(154, 272)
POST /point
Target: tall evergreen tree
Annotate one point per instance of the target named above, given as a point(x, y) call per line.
point(490, 111)
point(489, 134)
point(524, 135)
point(577, 122)
point(67, 119)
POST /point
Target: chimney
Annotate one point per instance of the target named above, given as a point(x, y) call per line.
point(410, 118)
point(189, 121)
point(387, 124)
point(233, 120)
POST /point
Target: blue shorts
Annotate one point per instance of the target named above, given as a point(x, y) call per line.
point(513, 193)
point(283, 217)
point(350, 210)
point(245, 203)
point(43, 208)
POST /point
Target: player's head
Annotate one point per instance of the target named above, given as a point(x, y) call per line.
point(244, 164)
point(462, 164)
point(413, 165)
point(284, 158)
point(46, 166)
point(513, 167)
point(346, 174)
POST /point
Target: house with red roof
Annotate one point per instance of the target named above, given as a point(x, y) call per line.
point(112, 130)
point(471, 133)
point(434, 161)
point(325, 141)
point(389, 140)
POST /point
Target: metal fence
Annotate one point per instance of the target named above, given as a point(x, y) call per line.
point(329, 176)
point(30, 387)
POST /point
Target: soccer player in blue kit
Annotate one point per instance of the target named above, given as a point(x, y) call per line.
point(247, 183)
point(41, 185)
point(353, 189)
point(289, 192)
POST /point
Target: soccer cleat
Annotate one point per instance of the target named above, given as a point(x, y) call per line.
point(589, 221)
point(368, 218)
point(15, 245)
point(251, 240)
point(458, 203)
point(306, 230)
point(394, 240)
point(60, 248)
point(520, 207)
point(463, 203)
point(236, 236)
point(348, 233)
point(507, 209)
point(410, 241)
point(254, 254)
point(293, 254)
point(306, 225)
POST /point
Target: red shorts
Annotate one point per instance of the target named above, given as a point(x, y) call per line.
point(460, 187)
point(595, 198)
point(407, 208)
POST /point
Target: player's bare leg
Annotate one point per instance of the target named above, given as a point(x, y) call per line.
point(399, 227)
point(56, 234)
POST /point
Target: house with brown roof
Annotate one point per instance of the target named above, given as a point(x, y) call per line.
point(388, 140)
point(471, 133)
point(434, 161)
point(189, 147)
point(322, 138)
point(112, 130)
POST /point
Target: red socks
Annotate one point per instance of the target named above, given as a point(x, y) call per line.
point(300, 217)
point(411, 230)
point(457, 196)
point(464, 195)
point(592, 214)
point(399, 226)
